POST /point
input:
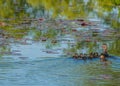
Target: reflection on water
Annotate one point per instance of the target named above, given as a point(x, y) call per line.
point(37, 37)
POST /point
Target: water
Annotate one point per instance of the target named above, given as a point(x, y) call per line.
point(30, 63)
point(59, 72)
point(38, 37)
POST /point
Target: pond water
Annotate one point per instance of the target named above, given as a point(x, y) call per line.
point(39, 37)
point(59, 72)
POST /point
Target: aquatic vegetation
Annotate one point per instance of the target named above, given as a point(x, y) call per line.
point(114, 48)
point(46, 21)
